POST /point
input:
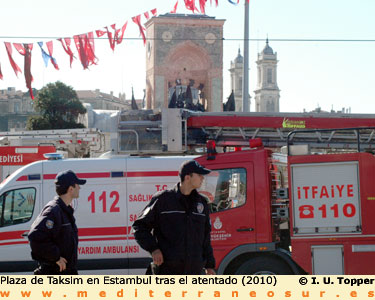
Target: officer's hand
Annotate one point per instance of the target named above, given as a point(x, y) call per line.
point(61, 263)
point(210, 272)
point(157, 257)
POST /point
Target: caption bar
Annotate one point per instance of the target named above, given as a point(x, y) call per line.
point(186, 287)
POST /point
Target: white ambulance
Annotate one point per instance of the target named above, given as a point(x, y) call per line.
point(117, 189)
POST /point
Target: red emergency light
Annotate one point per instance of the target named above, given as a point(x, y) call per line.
point(211, 149)
point(256, 143)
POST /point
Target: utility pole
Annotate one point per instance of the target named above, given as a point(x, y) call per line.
point(245, 84)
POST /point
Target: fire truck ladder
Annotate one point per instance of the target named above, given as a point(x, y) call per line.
point(75, 141)
point(360, 138)
point(183, 131)
point(229, 129)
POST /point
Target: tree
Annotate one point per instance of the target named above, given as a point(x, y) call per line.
point(59, 107)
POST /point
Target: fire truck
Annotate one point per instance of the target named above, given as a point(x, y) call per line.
point(303, 208)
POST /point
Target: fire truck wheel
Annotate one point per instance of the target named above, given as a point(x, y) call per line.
point(264, 265)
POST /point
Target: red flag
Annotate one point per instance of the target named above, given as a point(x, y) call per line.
point(100, 33)
point(115, 37)
point(86, 49)
point(190, 5)
point(1, 74)
point(154, 11)
point(147, 15)
point(25, 50)
point(90, 37)
point(50, 51)
point(119, 38)
point(15, 67)
point(202, 4)
point(175, 8)
point(137, 20)
point(91, 48)
point(79, 41)
point(67, 49)
point(110, 38)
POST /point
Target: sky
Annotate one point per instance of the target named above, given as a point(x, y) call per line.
point(311, 72)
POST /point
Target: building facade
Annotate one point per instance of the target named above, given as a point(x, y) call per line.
point(267, 93)
point(184, 50)
point(15, 108)
point(100, 100)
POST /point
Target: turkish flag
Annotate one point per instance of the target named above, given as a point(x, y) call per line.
point(175, 8)
point(137, 20)
point(67, 48)
point(202, 4)
point(16, 68)
point(50, 51)
point(25, 50)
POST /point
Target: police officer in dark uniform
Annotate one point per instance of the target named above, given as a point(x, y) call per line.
point(175, 226)
point(53, 236)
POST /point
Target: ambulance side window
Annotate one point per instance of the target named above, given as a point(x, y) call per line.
point(17, 206)
point(225, 188)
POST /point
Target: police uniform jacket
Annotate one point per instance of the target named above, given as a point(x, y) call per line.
point(180, 227)
point(54, 234)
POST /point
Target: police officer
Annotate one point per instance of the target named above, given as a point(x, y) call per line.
point(175, 226)
point(53, 236)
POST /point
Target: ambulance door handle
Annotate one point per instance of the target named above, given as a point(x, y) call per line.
point(245, 229)
point(25, 234)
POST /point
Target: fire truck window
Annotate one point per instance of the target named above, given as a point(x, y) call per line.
point(225, 189)
point(17, 206)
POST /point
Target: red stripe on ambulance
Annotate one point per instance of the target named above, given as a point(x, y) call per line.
point(108, 175)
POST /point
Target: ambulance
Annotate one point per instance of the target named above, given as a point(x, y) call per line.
point(117, 189)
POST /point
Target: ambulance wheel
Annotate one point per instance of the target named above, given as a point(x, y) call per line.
point(264, 265)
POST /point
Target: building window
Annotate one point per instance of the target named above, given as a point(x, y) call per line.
point(17, 107)
point(240, 84)
point(270, 106)
point(259, 75)
point(269, 75)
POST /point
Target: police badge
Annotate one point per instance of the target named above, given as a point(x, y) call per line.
point(200, 208)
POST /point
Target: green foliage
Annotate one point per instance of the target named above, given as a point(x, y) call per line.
point(59, 107)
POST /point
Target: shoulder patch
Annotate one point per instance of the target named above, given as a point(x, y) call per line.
point(49, 224)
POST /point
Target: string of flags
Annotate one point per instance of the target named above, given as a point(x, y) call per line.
point(85, 45)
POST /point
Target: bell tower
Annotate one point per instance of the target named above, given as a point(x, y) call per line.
point(236, 74)
point(267, 94)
